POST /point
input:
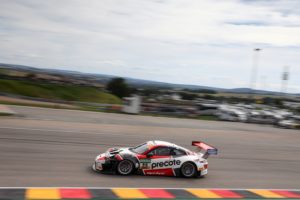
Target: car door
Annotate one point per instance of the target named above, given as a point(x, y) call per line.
point(159, 162)
point(178, 157)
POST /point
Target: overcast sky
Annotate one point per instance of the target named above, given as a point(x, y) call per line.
point(202, 42)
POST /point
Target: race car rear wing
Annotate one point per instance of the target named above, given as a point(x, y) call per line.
point(205, 149)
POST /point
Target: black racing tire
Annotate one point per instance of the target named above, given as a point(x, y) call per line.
point(188, 170)
point(125, 167)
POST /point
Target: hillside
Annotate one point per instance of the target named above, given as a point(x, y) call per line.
point(57, 92)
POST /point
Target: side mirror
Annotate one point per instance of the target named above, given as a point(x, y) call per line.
point(149, 155)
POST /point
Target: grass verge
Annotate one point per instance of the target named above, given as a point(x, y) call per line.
point(57, 91)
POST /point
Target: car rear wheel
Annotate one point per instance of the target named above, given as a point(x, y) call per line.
point(125, 167)
point(188, 170)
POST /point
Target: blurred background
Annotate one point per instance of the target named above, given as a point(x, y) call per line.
point(23, 85)
point(78, 77)
point(232, 60)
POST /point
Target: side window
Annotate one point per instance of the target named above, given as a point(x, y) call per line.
point(177, 152)
point(161, 151)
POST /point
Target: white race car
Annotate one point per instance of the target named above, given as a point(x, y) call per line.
point(156, 158)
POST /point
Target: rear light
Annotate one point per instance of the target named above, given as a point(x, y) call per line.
point(205, 166)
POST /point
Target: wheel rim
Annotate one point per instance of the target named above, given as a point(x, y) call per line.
point(125, 167)
point(188, 169)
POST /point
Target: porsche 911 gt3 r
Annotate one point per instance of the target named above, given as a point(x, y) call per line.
point(156, 158)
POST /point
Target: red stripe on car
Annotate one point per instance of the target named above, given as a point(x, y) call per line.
point(118, 157)
point(101, 158)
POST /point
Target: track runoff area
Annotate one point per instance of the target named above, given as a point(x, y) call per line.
point(143, 193)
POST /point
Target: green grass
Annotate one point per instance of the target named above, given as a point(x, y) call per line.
point(57, 92)
point(57, 106)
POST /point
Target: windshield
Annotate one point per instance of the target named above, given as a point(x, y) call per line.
point(140, 148)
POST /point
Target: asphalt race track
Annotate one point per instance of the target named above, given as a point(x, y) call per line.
point(52, 147)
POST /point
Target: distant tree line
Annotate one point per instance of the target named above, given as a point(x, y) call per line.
point(204, 91)
point(119, 88)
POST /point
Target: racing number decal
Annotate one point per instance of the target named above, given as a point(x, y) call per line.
point(145, 163)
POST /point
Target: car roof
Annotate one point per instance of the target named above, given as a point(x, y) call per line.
point(160, 143)
point(164, 143)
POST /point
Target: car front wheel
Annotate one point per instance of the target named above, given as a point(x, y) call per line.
point(125, 167)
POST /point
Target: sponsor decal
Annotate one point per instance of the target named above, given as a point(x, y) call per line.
point(167, 163)
point(159, 172)
point(155, 173)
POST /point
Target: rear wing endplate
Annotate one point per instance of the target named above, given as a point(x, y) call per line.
point(205, 148)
